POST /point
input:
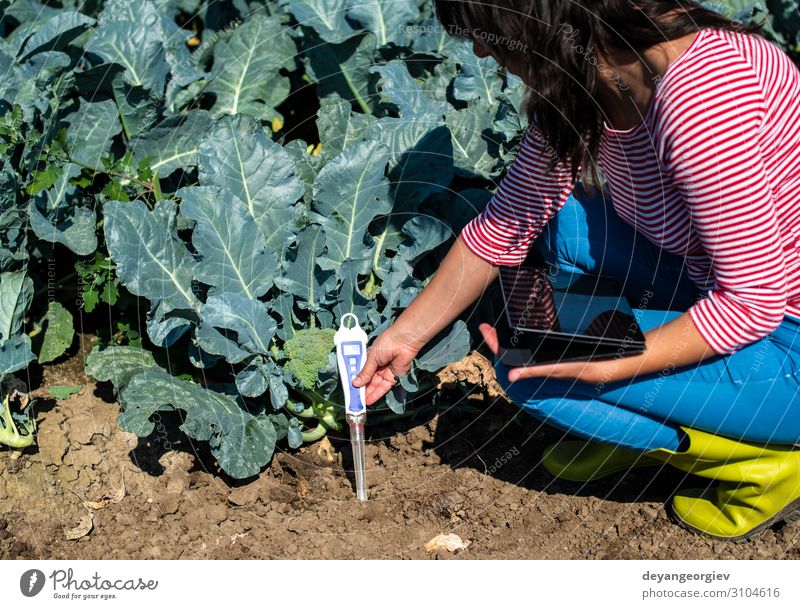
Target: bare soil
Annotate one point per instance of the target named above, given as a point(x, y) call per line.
point(470, 468)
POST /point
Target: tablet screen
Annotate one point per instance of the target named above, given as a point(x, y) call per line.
point(583, 307)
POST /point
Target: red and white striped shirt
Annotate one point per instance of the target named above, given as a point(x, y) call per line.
point(712, 174)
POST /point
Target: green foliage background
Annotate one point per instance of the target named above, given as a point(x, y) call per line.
point(213, 184)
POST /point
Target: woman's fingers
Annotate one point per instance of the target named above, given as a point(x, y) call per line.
point(490, 337)
point(367, 372)
point(380, 384)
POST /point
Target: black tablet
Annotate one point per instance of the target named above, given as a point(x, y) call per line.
point(564, 317)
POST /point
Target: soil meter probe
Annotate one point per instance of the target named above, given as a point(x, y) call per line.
point(351, 354)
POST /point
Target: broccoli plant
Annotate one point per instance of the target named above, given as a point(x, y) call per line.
point(251, 278)
point(307, 353)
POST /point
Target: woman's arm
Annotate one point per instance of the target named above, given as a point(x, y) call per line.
point(674, 344)
point(529, 195)
point(459, 282)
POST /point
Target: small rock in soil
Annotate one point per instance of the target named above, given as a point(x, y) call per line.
point(86, 457)
point(177, 483)
point(169, 504)
point(52, 444)
point(215, 513)
point(83, 426)
point(244, 495)
point(373, 511)
point(173, 461)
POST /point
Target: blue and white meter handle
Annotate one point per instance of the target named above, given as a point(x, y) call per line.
point(351, 355)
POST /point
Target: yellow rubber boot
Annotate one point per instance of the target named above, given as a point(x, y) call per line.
point(759, 485)
point(588, 461)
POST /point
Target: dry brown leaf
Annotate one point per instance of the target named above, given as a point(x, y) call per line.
point(83, 529)
point(119, 494)
point(325, 450)
point(108, 498)
point(449, 541)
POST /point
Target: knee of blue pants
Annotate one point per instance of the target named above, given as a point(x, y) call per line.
point(588, 237)
point(564, 242)
point(558, 403)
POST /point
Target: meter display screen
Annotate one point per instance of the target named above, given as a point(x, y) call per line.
point(351, 350)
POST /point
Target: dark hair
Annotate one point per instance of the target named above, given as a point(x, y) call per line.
point(555, 38)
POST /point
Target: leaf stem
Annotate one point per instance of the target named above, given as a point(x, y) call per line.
point(149, 185)
point(315, 434)
point(157, 188)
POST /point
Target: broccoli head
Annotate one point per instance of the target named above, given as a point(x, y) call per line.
point(307, 352)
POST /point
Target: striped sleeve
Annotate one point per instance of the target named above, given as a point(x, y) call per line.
point(528, 196)
point(719, 170)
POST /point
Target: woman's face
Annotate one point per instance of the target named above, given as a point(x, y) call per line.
point(514, 63)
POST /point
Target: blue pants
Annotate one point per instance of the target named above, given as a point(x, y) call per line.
point(752, 394)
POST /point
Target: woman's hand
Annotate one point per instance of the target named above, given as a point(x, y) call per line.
point(586, 372)
point(672, 345)
point(389, 357)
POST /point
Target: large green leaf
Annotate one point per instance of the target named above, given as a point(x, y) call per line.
point(236, 155)
point(241, 442)
point(478, 78)
point(91, 129)
point(260, 375)
point(349, 193)
point(283, 307)
point(135, 47)
point(118, 364)
point(400, 88)
point(243, 321)
point(339, 127)
point(234, 255)
point(31, 11)
point(475, 143)
point(386, 20)
point(57, 215)
point(343, 69)
point(399, 286)
point(326, 17)
point(434, 39)
point(422, 234)
point(58, 333)
point(302, 275)
point(13, 217)
point(421, 158)
point(350, 298)
point(387, 235)
point(53, 34)
point(16, 294)
point(160, 21)
point(138, 107)
point(173, 143)
point(245, 77)
point(447, 347)
point(151, 260)
point(15, 354)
